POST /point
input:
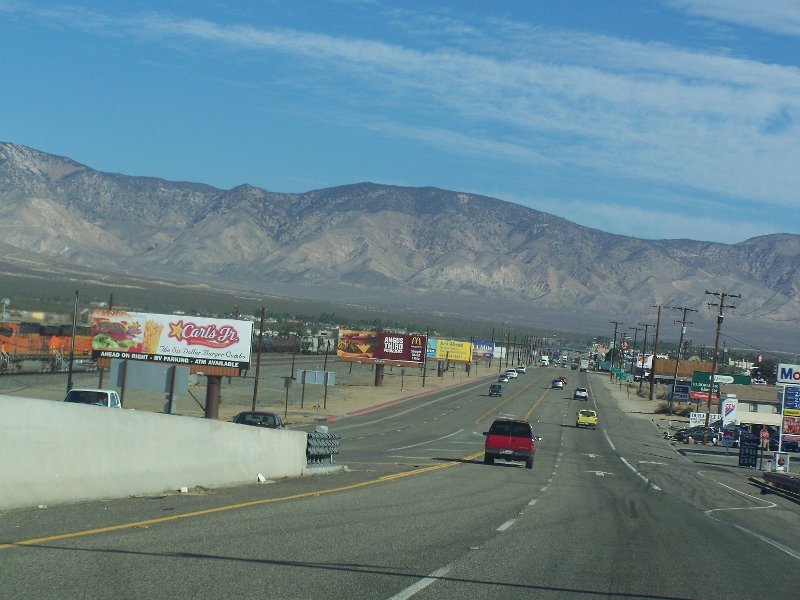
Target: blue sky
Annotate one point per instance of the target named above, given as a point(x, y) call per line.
point(654, 119)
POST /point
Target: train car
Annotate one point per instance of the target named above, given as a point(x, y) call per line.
point(30, 341)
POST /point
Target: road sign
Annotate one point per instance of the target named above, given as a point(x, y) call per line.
point(701, 380)
point(791, 395)
point(748, 451)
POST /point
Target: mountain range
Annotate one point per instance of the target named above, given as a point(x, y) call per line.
point(425, 249)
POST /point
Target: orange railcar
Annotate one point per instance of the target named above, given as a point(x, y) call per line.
point(16, 342)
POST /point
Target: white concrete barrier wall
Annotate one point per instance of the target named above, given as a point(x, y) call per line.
point(54, 452)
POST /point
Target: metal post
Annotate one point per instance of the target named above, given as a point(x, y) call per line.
point(124, 386)
point(258, 357)
point(72, 344)
point(102, 370)
point(425, 355)
point(171, 400)
point(213, 387)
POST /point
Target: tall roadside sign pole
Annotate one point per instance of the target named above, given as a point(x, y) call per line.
point(644, 349)
point(613, 349)
point(720, 316)
point(655, 351)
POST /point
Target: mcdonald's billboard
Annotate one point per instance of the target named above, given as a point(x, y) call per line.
point(401, 347)
point(372, 346)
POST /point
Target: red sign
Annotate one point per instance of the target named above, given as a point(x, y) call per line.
point(400, 347)
point(791, 426)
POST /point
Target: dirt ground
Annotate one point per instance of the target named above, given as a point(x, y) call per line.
point(354, 389)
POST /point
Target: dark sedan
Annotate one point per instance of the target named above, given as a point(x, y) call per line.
point(259, 419)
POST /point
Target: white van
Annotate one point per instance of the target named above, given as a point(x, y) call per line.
point(544, 361)
point(107, 398)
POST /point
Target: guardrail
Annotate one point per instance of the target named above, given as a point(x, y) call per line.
point(782, 484)
point(321, 446)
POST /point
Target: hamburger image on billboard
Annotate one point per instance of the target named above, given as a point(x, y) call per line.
point(356, 344)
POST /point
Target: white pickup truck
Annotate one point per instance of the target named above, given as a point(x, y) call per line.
point(107, 398)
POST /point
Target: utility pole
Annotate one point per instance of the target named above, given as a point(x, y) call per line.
point(683, 323)
point(613, 348)
point(644, 349)
point(720, 316)
point(655, 351)
point(500, 358)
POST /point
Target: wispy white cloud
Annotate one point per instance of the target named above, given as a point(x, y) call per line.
point(774, 16)
point(646, 112)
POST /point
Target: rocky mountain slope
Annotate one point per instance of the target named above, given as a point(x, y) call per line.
point(383, 245)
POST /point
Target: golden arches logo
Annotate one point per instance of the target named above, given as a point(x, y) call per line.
point(416, 340)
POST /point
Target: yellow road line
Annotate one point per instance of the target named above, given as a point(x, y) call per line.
point(208, 511)
point(535, 404)
point(494, 408)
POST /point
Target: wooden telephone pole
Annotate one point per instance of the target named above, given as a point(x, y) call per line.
point(720, 316)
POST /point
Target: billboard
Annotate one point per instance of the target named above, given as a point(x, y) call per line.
point(400, 347)
point(483, 350)
point(356, 345)
point(171, 338)
point(788, 374)
point(454, 351)
point(372, 346)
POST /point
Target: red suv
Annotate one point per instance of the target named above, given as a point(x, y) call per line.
point(510, 440)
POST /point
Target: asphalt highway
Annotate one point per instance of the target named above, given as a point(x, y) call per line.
point(614, 512)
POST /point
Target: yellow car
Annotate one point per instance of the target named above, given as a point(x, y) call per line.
point(586, 418)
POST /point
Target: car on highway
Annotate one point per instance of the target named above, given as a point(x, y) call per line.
point(521, 369)
point(586, 418)
point(258, 418)
point(563, 380)
point(495, 389)
point(511, 373)
point(96, 397)
point(510, 440)
point(557, 384)
point(580, 394)
point(697, 434)
point(503, 378)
